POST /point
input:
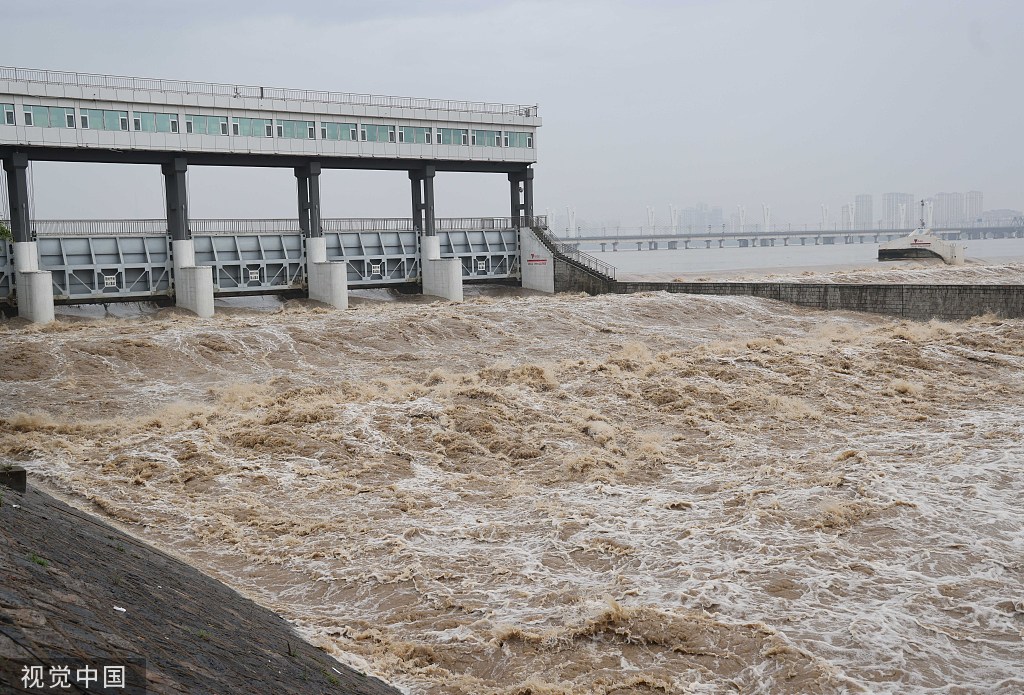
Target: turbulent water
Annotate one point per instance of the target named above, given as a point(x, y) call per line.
point(622, 494)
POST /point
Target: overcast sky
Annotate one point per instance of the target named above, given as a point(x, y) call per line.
point(728, 102)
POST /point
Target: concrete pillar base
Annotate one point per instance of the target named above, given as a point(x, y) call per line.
point(26, 256)
point(35, 295)
point(193, 285)
point(193, 290)
point(327, 282)
point(442, 277)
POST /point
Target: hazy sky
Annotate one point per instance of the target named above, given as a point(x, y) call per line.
point(729, 102)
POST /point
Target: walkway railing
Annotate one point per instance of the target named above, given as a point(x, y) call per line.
point(202, 227)
point(572, 254)
point(81, 79)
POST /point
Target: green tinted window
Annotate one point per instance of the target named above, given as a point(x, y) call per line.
point(155, 122)
point(415, 135)
point(338, 131)
point(206, 125)
point(99, 119)
point(518, 139)
point(295, 129)
point(377, 133)
point(487, 138)
point(252, 127)
point(454, 136)
point(50, 116)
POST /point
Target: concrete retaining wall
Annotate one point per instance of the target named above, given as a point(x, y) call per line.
point(918, 302)
point(571, 278)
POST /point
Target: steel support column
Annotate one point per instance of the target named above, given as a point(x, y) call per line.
point(428, 201)
point(177, 199)
point(528, 195)
point(16, 168)
point(308, 178)
point(515, 188)
point(416, 182)
point(302, 179)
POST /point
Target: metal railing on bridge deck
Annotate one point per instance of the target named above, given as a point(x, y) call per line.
point(80, 79)
point(573, 254)
point(220, 227)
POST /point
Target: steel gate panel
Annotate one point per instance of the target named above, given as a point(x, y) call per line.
point(106, 266)
point(252, 262)
point(376, 257)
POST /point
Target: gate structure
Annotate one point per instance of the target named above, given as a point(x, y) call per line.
point(77, 117)
point(131, 260)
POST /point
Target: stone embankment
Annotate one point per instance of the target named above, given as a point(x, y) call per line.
point(74, 589)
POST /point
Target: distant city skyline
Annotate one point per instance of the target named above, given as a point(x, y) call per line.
point(897, 211)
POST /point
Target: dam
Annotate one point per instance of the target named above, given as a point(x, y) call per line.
point(77, 117)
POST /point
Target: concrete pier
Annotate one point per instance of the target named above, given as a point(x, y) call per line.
point(193, 285)
point(34, 287)
point(35, 295)
point(327, 281)
point(442, 277)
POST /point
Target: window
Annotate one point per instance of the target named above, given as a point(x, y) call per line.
point(518, 140)
point(99, 119)
point(49, 116)
point(487, 138)
point(295, 129)
point(338, 131)
point(252, 127)
point(205, 125)
point(8, 110)
point(452, 136)
point(155, 122)
point(377, 133)
point(415, 135)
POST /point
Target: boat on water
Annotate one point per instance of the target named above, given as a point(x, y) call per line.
point(922, 243)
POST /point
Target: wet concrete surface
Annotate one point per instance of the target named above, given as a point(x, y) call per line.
point(65, 574)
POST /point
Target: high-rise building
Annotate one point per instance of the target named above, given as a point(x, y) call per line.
point(973, 207)
point(846, 217)
point(864, 211)
point(898, 211)
point(949, 209)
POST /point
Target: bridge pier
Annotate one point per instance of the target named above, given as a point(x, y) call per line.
point(652, 246)
point(442, 277)
point(673, 245)
point(603, 247)
point(615, 246)
point(34, 287)
point(639, 246)
point(193, 285)
point(325, 282)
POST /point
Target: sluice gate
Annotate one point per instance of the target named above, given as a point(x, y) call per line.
point(131, 260)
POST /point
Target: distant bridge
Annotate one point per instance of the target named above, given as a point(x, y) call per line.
point(654, 240)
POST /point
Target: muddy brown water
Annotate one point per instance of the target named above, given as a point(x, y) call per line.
point(522, 494)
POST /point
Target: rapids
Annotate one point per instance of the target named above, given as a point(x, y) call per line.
point(621, 494)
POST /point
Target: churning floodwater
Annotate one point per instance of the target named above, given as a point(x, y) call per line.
point(652, 493)
point(696, 263)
